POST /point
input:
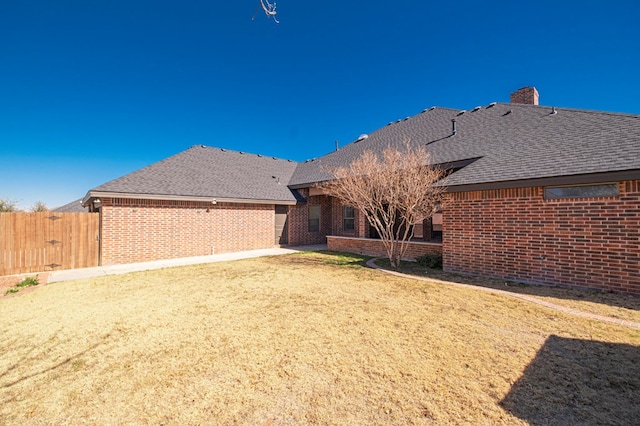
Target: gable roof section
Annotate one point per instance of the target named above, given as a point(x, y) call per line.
point(206, 173)
point(72, 207)
point(509, 142)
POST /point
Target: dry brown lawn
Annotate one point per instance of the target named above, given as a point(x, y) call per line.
point(614, 305)
point(304, 339)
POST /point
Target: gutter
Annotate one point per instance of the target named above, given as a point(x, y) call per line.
point(92, 195)
point(580, 179)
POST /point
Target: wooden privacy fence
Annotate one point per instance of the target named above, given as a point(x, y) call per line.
point(48, 241)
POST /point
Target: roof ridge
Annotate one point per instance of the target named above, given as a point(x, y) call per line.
point(438, 107)
point(242, 152)
point(561, 108)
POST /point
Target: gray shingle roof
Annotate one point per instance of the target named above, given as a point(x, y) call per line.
point(72, 207)
point(510, 141)
point(202, 171)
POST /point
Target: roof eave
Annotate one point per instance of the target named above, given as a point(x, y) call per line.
point(307, 185)
point(164, 197)
point(581, 179)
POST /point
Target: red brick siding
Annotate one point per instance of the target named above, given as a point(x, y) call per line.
point(299, 220)
point(374, 247)
point(142, 230)
point(515, 234)
point(525, 95)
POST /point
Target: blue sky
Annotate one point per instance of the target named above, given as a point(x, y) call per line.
point(92, 90)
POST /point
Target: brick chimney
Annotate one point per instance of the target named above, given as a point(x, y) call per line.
point(526, 95)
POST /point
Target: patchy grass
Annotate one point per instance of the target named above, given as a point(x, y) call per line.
point(345, 259)
point(304, 339)
point(615, 305)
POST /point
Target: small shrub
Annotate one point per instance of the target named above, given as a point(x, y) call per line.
point(433, 261)
point(27, 282)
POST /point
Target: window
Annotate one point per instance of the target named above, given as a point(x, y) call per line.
point(430, 229)
point(314, 218)
point(348, 218)
point(436, 226)
point(586, 191)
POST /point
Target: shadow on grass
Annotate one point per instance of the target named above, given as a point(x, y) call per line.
point(573, 381)
point(33, 354)
point(25, 356)
point(626, 301)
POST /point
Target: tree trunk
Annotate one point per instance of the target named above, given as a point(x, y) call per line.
point(394, 259)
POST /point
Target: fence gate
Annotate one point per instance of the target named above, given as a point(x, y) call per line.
point(48, 241)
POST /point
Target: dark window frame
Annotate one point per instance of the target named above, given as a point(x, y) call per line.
point(348, 221)
point(436, 234)
point(314, 222)
point(564, 192)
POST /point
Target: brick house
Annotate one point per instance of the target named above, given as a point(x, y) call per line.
point(538, 194)
point(198, 202)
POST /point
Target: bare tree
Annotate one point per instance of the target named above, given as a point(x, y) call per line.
point(7, 205)
point(393, 192)
point(39, 206)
